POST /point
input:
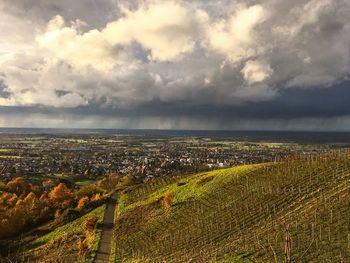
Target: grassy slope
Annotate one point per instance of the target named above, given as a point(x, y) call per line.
point(242, 214)
point(62, 242)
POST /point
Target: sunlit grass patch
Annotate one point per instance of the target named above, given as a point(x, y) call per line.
point(68, 233)
point(189, 188)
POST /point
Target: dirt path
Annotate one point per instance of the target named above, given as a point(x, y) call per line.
point(107, 231)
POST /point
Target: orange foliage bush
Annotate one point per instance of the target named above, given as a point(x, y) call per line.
point(96, 198)
point(61, 197)
point(21, 208)
point(167, 200)
point(83, 202)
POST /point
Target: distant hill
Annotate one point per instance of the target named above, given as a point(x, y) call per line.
point(293, 211)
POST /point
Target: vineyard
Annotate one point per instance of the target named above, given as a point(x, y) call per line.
point(293, 211)
point(63, 244)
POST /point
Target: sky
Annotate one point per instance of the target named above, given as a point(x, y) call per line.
point(175, 64)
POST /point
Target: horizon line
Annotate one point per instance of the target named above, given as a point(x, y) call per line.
point(187, 130)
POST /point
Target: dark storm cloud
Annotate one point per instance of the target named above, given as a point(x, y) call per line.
point(289, 104)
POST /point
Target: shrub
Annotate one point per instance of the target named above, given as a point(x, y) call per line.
point(83, 202)
point(167, 200)
point(96, 198)
point(90, 224)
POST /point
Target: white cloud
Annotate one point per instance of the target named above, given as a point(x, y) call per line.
point(255, 71)
point(234, 36)
point(80, 50)
point(164, 28)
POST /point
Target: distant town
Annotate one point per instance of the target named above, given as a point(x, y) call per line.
point(88, 157)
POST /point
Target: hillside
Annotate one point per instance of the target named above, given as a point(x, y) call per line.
point(65, 243)
point(297, 210)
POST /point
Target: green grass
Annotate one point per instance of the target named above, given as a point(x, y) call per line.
point(241, 214)
point(113, 254)
point(190, 190)
point(93, 250)
point(72, 229)
point(235, 258)
point(121, 206)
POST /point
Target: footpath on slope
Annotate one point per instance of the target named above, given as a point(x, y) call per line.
point(104, 249)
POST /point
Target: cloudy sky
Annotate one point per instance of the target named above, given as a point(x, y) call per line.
point(175, 64)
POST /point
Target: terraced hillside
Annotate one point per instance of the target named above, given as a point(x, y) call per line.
point(293, 211)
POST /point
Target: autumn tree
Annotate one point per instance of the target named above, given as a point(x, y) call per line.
point(3, 186)
point(61, 197)
point(32, 207)
point(19, 186)
point(21, 209)
point(44, 199)
point(18, 215)
point(7, 200)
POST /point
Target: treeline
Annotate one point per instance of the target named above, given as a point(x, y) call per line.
point(24, 204)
